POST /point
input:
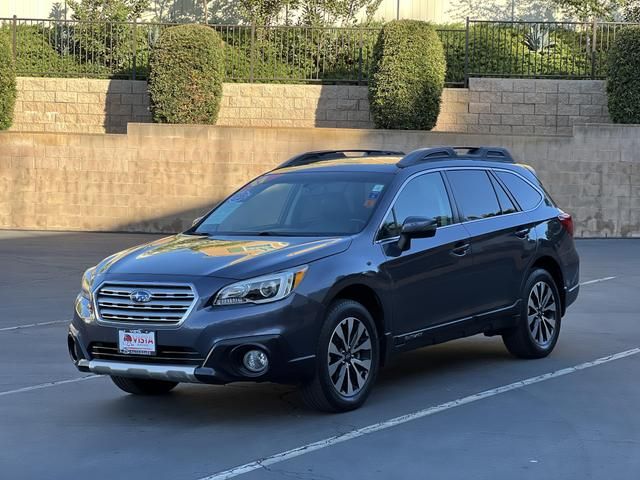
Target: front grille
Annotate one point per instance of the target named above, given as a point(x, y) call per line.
point(164, 355)
point(167, 305)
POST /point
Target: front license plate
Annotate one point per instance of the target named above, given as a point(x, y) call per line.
point(137, 342)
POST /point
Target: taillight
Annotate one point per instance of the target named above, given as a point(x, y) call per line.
point(567, 222)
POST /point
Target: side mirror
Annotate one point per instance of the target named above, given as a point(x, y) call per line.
point(416, 227)
point(196, 221)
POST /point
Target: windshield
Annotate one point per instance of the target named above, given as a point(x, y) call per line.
point(299, 204)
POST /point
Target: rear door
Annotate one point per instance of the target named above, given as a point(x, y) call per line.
point(501, 237)
point(430, 279)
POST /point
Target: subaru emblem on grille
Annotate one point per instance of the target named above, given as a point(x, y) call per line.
point(140, 296)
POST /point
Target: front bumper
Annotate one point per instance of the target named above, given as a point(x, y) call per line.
point(169, 373)
point(286, 330)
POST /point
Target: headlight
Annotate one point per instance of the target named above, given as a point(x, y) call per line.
point(268, 288)
point(87, 282)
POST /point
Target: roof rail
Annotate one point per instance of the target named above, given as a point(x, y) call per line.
point(324, 155)
point(487, 154)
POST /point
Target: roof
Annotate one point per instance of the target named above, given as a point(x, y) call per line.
point(392, 161)
point(386, 163)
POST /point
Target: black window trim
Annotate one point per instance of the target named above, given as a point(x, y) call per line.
point(512, 195)
point(496, 183)
point(458, 220)
point(445, 181)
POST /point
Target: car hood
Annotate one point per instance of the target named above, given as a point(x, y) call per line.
point(225, 257)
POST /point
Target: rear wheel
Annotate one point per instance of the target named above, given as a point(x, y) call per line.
point(538, 327)
point(347, 359)
point(139, 386)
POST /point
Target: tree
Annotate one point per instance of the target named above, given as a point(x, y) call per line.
point(527, 10)
point(593, 9)
point(100, 35)
point(262, 12)
point(335, 12)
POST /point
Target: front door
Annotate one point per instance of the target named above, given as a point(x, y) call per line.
point(430, 279)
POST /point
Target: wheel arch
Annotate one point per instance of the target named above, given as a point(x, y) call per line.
point(551, 265)
point(368, 298)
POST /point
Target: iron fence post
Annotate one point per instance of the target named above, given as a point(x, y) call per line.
point(134, 46)
point(360, 63)
point(593, 49)
point(14, 35)
point(252, 46)
point(466, 55)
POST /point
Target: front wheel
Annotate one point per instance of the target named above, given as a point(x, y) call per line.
point(538, 326)
point(347, 359)
point(139, 386)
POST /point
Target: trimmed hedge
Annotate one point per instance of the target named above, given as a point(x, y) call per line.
point(623, 85)
point(407, 77)
point(186, 73)
point(7, 84)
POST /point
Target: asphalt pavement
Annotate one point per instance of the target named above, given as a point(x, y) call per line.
point(461, 410)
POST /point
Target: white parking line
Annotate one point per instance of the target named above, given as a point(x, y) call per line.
point(48, 384)
point(597, 280)
point(328, 442)
point(19, 327)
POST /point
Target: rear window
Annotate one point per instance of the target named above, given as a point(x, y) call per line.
point(474, 193)
point(527, 196)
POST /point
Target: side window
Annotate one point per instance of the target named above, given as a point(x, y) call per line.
point(474, 193)
point(506, 204)
point(527, 196)
point(424, 196)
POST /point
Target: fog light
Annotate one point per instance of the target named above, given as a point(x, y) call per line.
point(256, 361)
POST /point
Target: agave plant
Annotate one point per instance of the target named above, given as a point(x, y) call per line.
point(538, 39)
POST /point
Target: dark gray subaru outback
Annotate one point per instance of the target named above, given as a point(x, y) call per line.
point(320, 270)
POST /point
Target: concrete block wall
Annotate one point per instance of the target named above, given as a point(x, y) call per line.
point(106, 106)
point(500, 106)
point(157, 178)
point(540, 107)
point(283, 105)
point(79, 105)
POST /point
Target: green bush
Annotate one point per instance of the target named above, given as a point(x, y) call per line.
point(503, 50)
point(623, 83)
point(7, 84)
point(407, 77)
point(186, 73)
point(38, 53)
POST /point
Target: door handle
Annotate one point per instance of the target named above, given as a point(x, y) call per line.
point(460, 249)
point(522, 233)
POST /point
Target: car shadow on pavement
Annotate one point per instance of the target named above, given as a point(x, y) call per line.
point(406, 375)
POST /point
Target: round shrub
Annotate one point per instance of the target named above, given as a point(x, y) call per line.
point(407, 77)
point(623, 83)
point(7, 84)
point(186, 73)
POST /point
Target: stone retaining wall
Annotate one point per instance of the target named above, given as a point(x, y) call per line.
point(106, 106)
point(501, 106)
point(79, 105)
point(157, 178)
point(540, 107)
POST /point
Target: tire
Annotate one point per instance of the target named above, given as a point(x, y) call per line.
point(342, 381)
point(139, 386)
point(538, 325)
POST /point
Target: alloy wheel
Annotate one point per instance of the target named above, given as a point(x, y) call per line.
point(542, 314)
point(349, 357)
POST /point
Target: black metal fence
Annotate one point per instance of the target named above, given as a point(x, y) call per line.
point(298, 54)
point(539, 49)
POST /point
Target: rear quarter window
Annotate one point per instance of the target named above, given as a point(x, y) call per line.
point(527, 196)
